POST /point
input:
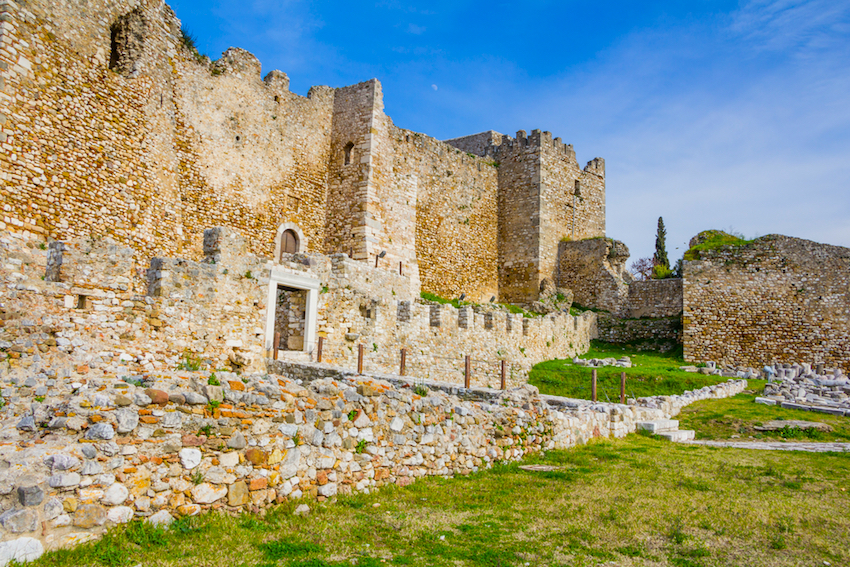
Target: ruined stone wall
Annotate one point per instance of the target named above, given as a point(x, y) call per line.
point(119, 449)
point(776, 299)
point(595, 269)
point(113, 127)
point(655, 298)
point(160, 145)
point(362, 305)
point(645, 334)
point(216, 310)
point(252, 155)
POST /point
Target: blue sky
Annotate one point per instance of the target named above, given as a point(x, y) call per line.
point(730, 115)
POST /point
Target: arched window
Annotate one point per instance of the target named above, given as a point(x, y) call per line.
point(289, 242)
point(289, 239)
point(348, 147)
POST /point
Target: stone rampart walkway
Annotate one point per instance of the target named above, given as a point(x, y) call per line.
point(777, 446)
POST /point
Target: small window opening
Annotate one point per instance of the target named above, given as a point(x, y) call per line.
point(348, 147)
point(82, 302)
point(276, 98)
point(114, 56)
point(238, 138)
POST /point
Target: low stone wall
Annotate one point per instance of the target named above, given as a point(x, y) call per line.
point(82, 454)
point(613, 330)
point(655, 298)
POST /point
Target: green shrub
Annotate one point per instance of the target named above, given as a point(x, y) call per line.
point(660, 272)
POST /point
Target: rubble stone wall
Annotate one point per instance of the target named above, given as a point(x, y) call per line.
point(595, 269)
point(650, 333)
point(111, 126)
point(83, 453)
point(777, 298)
point(655, 298)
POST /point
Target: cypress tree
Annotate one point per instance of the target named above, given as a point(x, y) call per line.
point(660, 257)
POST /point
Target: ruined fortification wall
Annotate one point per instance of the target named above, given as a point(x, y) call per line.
point(216, 309)
point(113, 127)
point(160, 145)
point(252, 155)
point(777, 298)
point(655, 298)
point(595, 269)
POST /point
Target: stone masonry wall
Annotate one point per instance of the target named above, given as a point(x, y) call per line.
point(151, 153)
point(778, 299)
point(651, 334)
point(595, 269)
point(83, 453)
point(215, 310)
point(456, 215)
point(111, 127)
point(655, 298)
point(544, 197)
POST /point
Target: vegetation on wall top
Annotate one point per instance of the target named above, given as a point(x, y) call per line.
point(711, 240)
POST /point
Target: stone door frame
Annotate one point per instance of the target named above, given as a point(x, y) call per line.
point(279, 276)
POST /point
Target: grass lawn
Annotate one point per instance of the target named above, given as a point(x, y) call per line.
point(631, 502)
point(651, 374)
point(721, 419)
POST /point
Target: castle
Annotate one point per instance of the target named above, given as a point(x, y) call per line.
point(114, 127)
point(194, 261)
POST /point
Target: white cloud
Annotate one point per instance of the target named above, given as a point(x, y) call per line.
point(415, 30)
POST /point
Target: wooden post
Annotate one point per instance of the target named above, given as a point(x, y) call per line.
point(593, 385)
point(403, 364)
point(319, 350)
point(467, 370)
point(503, 374)
point(623, 388)
point(376, 260)
point(276, 344)
point(360, 358)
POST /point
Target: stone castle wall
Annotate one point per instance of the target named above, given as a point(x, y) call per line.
point(655, 298)
point(775, 299)
point(544, 198)
point(216, 310)
point(110, 126)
